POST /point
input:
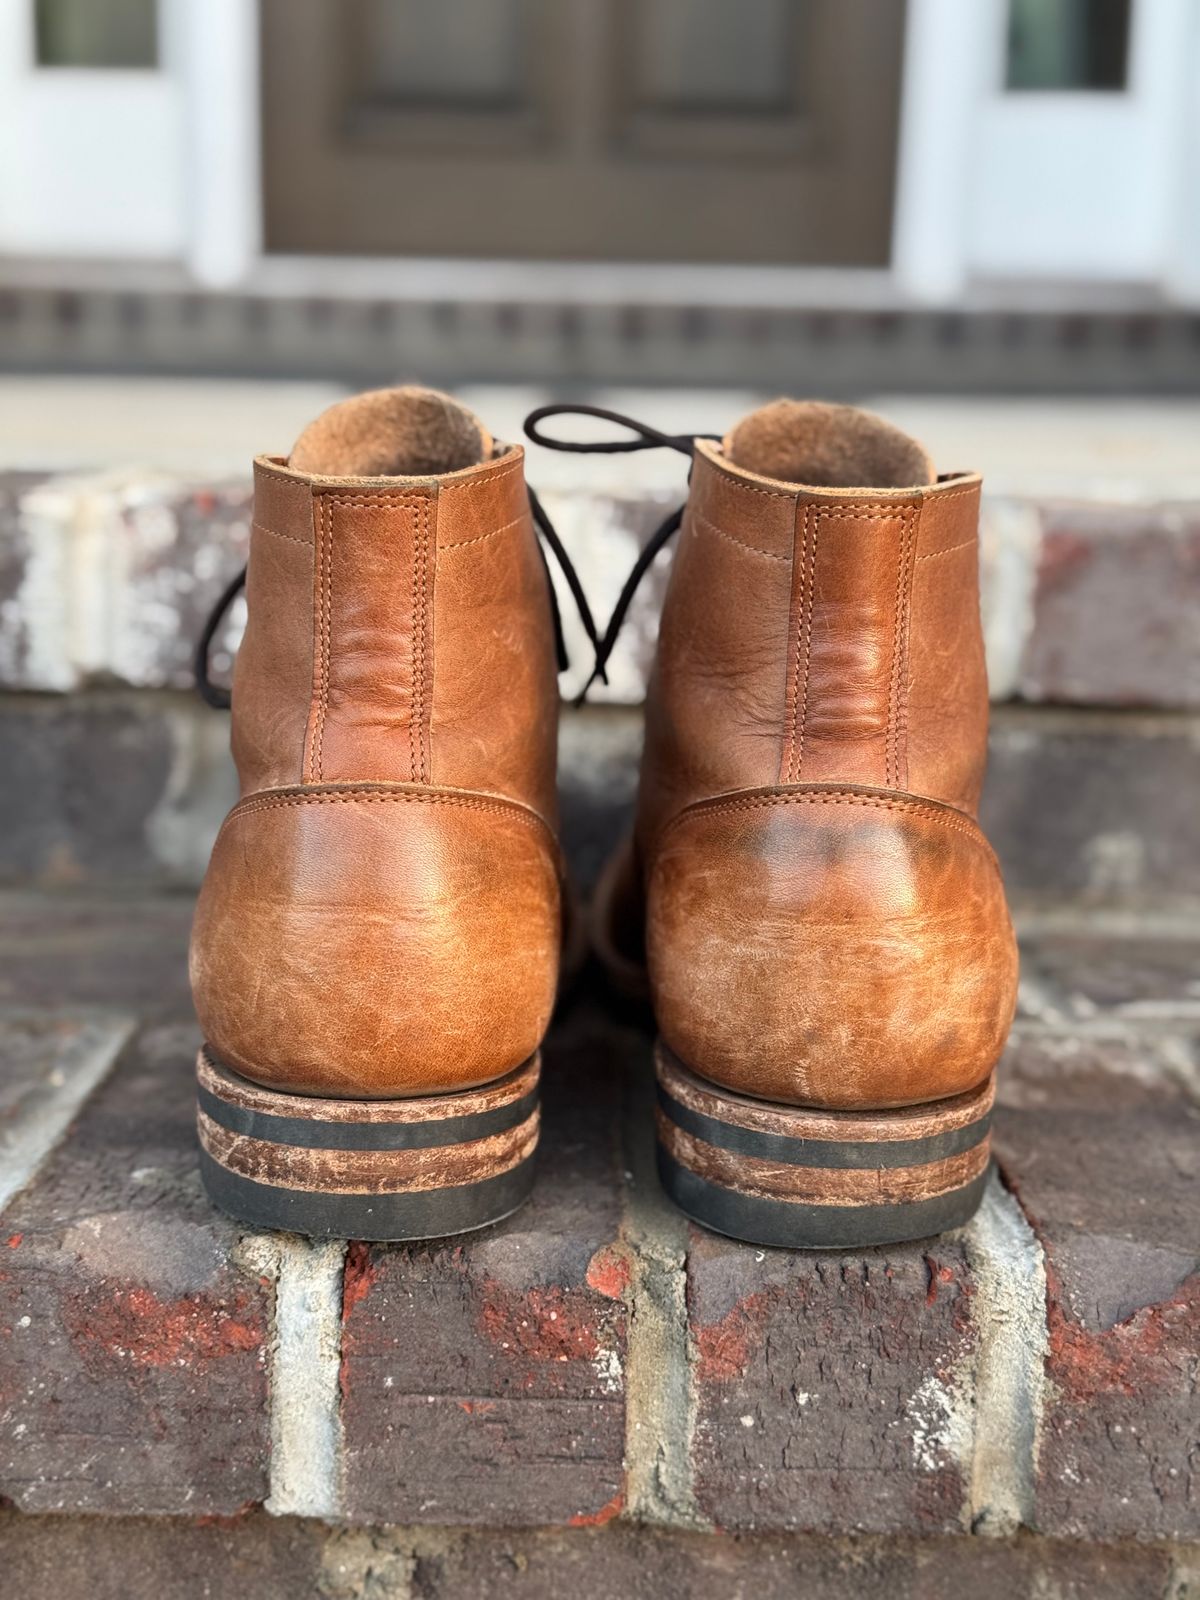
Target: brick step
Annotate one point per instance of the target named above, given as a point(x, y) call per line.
point(127, 788)
point(280, 1558)
point(106, 577)
point(596, 1360)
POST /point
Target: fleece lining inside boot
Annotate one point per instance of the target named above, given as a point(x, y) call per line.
point(836, 447)
point(387, 433)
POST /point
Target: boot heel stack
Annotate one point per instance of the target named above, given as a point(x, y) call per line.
point(782, 1175)
point(416, 1168)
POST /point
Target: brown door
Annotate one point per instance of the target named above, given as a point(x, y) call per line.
point(637, 130)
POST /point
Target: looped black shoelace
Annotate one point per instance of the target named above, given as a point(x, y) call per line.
point(645, 438)
point(219, 697)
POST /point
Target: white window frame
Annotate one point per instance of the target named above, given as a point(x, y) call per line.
point(140, 164)
point(1075, 186)
point(89, 159)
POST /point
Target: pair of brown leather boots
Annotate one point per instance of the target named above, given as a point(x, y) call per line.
point(806, 896)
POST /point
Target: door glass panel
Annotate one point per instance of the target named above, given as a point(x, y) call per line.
point(96, 33)
point(452, 54)
point(693, 56)
point(1068, 44)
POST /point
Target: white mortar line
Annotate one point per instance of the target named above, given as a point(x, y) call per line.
point(660, 1401)
point(81, 1064)
point(1184, 1581)
point(1009, 1311)
point(305, 1365)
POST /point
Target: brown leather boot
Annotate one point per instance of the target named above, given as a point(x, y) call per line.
point(831, 962)
point(376, 945)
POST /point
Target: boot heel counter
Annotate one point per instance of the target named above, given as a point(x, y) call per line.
point(832, 947)
point(377, 940)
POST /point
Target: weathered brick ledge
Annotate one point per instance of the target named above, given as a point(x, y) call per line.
point(595, 1360)
point(283, 1558)
point(1095, 806)
point(106, 578)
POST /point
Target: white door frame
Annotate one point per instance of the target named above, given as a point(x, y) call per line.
point(1045, 185)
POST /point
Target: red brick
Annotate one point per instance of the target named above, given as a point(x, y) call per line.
point(1103, 1151)
point(1128, 979)
point(1096, 807)
point(621, 1563)
point(132, 1351)
point(830, 1389)
point(1117, 607)
point(483, 1378)
point(116, 951)
point(160, 1558)
point(269, 1558)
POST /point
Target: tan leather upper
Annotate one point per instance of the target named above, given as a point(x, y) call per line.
point(824, 922)
point(382, 913)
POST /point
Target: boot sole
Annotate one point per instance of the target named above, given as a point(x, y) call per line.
point(367, 1169)
point(804, 1179)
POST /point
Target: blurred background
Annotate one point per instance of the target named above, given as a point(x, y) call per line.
point(850, 195)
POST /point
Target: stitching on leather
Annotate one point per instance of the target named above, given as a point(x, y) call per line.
point(886, 514)
point(349, 499)
point(322, 631)
point(507, 471)
point(374, 796)
point(810, 595)
point(310, 726)
point(912, 530)
point(833, 797)
point(428, 573)
point(879, 511)
point(896, 704)
point(752, 549)
point(326, 502)
point(272, 801)
point(931, 555)
point(418, 652)
point(746, 488)
point(261, 527)
point(327, 525)
point(890, 761)
point(796, 611)
point(955, 494)
point(460, 544)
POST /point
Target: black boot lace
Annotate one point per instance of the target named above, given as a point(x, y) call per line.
point(645, 438)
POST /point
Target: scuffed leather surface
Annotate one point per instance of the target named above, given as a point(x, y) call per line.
point(827, 952)
point(377, 941)
point(273, 673)
point(714, 703)
point(831, 946)
point(849, 642)
point(817, 635)
point(947, 714)
point(399, 643)
point(494, 707)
